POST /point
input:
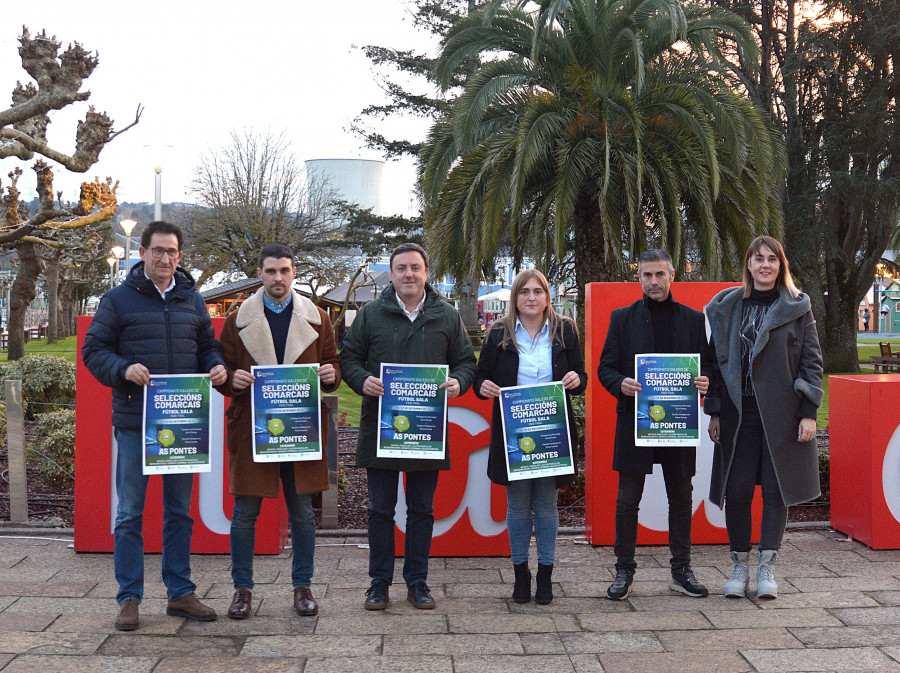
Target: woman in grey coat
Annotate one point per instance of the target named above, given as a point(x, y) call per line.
point(762, 402)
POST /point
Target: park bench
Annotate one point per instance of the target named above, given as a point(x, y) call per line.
point(888, 362)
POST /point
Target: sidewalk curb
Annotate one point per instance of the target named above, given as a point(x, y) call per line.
point(7, 530)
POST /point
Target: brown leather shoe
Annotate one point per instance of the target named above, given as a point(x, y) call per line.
point(128, 616)
point(191, 609)
point(240, 604)
point(304, 602)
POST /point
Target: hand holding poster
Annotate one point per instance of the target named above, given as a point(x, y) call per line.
point(413, 411)
point(667, 408)
point(536, 428)
point(286, 408)
point(177, 424)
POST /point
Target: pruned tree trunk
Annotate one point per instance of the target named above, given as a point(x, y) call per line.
point(467, 294)
point(23, 292)
point(68, 309)
point(52, 279)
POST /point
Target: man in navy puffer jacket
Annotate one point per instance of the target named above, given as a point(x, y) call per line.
point(153, 323)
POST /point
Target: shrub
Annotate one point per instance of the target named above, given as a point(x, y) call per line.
point(825, 473)
point(578, 411)
point(53, 450)
point(47, 381)
point(573, 494)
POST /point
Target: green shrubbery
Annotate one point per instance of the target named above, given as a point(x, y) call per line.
point(47, 382)
point(48, 385)
point(54, 447)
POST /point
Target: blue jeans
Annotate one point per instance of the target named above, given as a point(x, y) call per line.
point(522, 498)
point(420, 488)
point(128, 549)
point(303, 533)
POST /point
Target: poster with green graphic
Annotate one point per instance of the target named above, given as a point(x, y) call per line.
point(412, 411)
point(536, 428)
point(286, 408)
point(177, 424)
point(667, 408)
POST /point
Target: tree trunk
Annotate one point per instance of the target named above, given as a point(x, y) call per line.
point(839, 336)
point(467, 294)
point(52, 280)
point(591, 265)
point(23, 292)
point(67, 309)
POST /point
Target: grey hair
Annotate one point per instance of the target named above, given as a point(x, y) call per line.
point(656, 255)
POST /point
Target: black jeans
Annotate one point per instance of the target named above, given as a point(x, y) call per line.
point(678, 492)
point(752, 459)
point(420, 488)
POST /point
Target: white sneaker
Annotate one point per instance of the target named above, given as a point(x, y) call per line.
point(765, 576)
point(736, 587)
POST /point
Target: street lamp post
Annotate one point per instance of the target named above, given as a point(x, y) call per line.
point(158, 151)
point(112, 261)
point(157, 204)
point(118, 252)
point(128, 226)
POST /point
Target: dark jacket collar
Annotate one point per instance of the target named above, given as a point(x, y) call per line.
point(184, 284)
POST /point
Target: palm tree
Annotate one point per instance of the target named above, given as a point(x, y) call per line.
point(599, 126)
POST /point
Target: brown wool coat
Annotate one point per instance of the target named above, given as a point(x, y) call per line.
point(247, 341)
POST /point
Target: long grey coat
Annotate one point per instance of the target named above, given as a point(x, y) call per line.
point(786, 365)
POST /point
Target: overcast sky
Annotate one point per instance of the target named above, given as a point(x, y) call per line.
point(201, 68)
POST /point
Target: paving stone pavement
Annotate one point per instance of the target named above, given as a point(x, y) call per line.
point(839, 610)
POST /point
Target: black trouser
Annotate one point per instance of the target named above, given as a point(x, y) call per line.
point(678, 491)
point(383, 491)
point(753, 459)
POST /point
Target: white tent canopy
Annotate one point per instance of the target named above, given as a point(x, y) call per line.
point(497, 295)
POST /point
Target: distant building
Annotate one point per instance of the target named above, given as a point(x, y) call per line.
point(355, 180)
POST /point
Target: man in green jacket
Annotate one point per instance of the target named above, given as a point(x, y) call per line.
point(408, 324)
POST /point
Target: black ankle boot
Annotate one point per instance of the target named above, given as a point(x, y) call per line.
point(544, 592)
point(522, 587)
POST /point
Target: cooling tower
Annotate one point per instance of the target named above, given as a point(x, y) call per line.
point(355, 180)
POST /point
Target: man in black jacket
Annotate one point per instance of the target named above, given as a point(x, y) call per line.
point(153, 323)
point(654, 324)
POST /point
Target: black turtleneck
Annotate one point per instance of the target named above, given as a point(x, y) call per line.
point(662, 320)
point(754, 312)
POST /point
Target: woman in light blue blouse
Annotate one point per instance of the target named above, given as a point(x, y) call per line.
point(532, 344)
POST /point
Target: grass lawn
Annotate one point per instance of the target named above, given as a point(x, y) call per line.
point(349, 403)
point(64, 348)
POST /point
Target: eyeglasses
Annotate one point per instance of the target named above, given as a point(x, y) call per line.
point(159, 252)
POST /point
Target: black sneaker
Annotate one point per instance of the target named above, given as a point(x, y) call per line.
point(683, 580)
point(621, 586)
point(377, 596)
point(420, 596)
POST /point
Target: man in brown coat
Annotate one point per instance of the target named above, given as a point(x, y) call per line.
point(274, 326)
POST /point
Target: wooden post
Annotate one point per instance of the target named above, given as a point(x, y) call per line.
point(15, 442)
point(330, 497)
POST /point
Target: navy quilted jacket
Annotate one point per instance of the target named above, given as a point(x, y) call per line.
point(134, 324)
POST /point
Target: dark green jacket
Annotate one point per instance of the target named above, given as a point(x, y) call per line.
point(381, 332)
